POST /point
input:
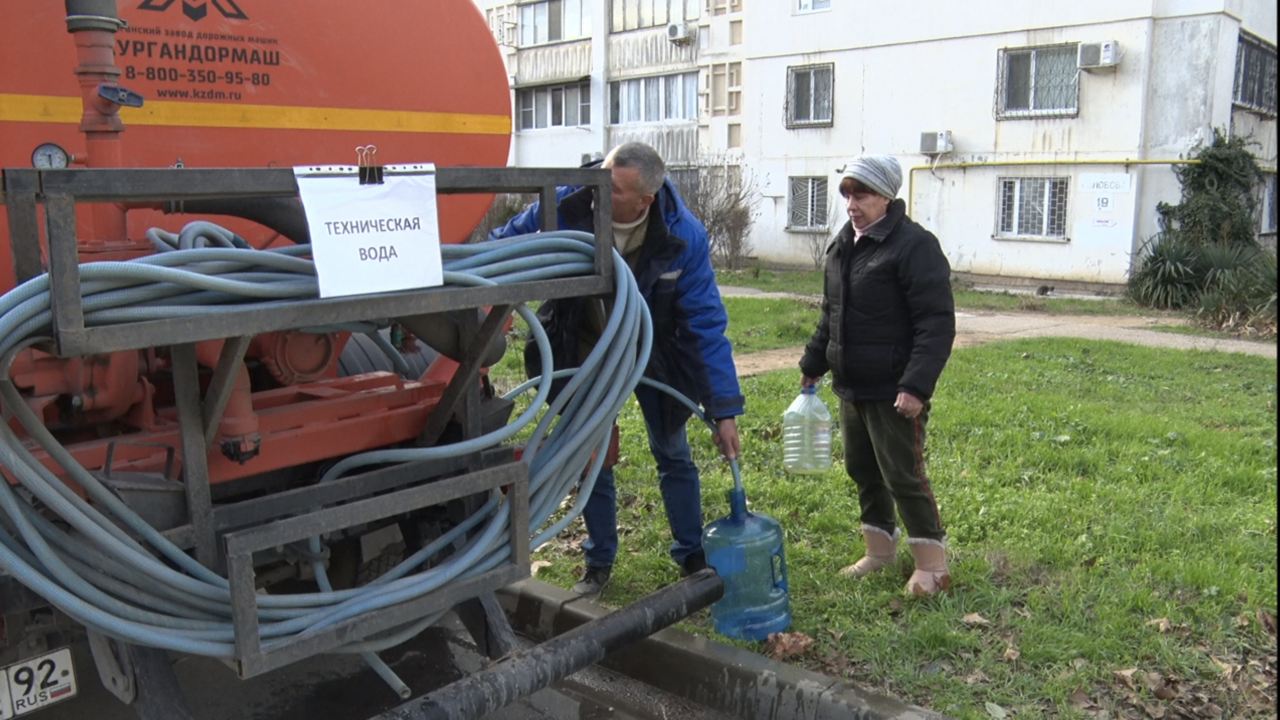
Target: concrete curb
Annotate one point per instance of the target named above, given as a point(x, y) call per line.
point(729, 680)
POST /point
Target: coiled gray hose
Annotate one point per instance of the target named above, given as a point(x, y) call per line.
point(146, 590)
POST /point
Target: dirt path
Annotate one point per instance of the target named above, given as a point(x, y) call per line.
point(976, 328)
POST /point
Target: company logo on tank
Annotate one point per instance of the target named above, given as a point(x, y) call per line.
point(197, 10)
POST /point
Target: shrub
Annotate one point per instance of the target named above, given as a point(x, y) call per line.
point(1169, 275)
point(1218, 200)
point(1206, 257)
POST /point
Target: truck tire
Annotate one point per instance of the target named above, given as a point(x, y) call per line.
point(362, 355)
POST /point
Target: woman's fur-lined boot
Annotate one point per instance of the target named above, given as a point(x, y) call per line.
point(931, 575)
point(882, 551)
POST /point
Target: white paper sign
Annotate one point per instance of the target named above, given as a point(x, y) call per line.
point(1104, 202)
point(1105, 182)
point(373, 238)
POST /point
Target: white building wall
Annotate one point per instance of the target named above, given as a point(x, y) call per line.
point(895, 80)
point(886, 96)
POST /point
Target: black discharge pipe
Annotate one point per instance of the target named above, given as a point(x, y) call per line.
point(528, 671)
point(284, 215)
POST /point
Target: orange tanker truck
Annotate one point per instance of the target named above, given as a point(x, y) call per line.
point(199, 439)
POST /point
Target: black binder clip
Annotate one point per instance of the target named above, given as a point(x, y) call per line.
point(367, 161)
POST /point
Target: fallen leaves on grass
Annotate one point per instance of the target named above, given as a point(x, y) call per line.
point(781, 646)
point(974, 619)
point(1012, 653)
point(1080, 699)
point(1267, 621)
point(1229, 669)
point(996, 711)
point(1162, 624)
point(537, 565)
point(835, 664)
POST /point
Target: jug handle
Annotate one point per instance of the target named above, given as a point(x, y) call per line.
point(779, 569)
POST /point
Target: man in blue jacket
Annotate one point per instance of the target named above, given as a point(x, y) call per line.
point(668, 250)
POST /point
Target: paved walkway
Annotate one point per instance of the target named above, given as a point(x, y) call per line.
point(975, 328)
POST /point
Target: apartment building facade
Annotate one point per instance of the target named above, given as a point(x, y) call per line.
point(1036, 140)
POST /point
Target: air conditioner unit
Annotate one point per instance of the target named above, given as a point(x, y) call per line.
point(935, 143)
point(1099, 55)
point(678, 32)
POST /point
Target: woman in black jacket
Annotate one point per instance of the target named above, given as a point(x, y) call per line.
point(888, 321)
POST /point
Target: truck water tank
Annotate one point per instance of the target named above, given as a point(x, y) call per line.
point(263, 83)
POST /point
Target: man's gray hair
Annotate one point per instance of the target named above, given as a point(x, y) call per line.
point(644, 159)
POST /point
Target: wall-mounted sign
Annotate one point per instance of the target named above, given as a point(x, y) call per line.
point(1105, 182)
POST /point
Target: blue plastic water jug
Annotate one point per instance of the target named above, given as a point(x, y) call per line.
point(746, 550)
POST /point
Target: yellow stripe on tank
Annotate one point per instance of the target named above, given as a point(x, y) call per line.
point(45, 108)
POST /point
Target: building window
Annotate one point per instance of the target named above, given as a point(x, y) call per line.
point(807, 204)
point(653, 99)
point(1033, 207)
point(1038, 82)
point(503, 24)
point(735, 135)
point(735, 32)
point(1267, 211)
point(554, 20)
point(809, 95)
point(554, 106)
point(685, 178)
point(1255, 86)
point(812, 5)
point(725, 89)
point(720, 7)
point(635, 14)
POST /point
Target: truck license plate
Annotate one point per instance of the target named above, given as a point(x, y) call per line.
point(36, 683)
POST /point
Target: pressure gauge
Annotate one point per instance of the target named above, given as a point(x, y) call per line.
point(49, 156)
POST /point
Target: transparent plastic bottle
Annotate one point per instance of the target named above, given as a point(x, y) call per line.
point(806, 435)
point(746, 550)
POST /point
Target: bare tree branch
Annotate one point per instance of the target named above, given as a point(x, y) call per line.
point(725, 196)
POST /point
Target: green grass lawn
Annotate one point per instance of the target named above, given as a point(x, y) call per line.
point(801, 282)
point(757, 324)
point(1112, 519)
point(809, 282)
point(1011, 302)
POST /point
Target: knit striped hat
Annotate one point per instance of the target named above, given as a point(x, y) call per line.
point(881, 173)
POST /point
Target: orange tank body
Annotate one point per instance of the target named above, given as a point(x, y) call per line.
point(244, 83)
point(263, 83)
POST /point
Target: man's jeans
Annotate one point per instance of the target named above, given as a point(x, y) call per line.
point(677, 479)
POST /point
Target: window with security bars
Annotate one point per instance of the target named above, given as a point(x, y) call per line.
point(554, 106)
point(809, 96)
point(1038, 82)
point(812, 5)
point(1033, 207)
point(807, 204)
point(1255, 85)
